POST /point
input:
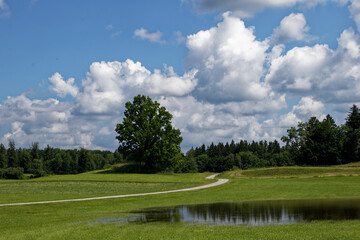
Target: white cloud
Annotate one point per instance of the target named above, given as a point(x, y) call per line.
point(292, 27)
point(49, 122)
point(61, 87)
point(355, 11)
point(332, 75)
point(26, 110)
point(306, 108)
point(109, 84)
point(203, 123)
point(169, 83)
point(230, 62)
point(143, 33)
point(4, 9)
point(295, 70)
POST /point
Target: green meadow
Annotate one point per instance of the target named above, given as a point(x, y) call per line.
point(79, 220)
point(93, 184)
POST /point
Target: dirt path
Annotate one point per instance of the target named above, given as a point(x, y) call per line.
point(212, 176)
point(217, 183)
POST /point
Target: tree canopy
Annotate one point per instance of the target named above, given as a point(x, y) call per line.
point(147, 136)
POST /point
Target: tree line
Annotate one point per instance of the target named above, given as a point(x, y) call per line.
point(15, 162)
point(148, 139)
point(315, 142)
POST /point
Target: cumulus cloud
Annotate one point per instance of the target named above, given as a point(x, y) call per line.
point(108, 84)
point(295, 70)
point(34, 117)
point(355, 11)
point(276, 126)
point(306, 108)
point(50, 122)
point(230, 62)
point(15, 108)
point(143, 33)
point(333, 75)
point(169, 83)
point(4, 9)
point(62, 87)
point(292, 27)
point(203, 123)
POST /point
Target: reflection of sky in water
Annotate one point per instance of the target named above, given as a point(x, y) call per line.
point(255, 213)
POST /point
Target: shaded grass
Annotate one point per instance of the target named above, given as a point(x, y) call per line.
point(75, 220)
point(286, 172)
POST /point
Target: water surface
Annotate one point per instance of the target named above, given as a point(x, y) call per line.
point(252, 213)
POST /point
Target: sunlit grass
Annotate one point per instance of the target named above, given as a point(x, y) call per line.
point(93, 184)
point(75, 220)
point(287, 172)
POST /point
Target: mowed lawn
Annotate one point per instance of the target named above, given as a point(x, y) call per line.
point(78, 220)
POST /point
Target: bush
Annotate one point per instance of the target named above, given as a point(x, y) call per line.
point(38, 173)
point(12, 173)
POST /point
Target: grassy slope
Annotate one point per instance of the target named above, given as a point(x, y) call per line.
point(281, 172)
point(75, 220)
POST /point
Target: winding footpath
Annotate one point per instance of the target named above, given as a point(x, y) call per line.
point(217, 183)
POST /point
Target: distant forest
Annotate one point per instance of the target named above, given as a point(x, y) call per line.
point(316, 142)
point(14, 162)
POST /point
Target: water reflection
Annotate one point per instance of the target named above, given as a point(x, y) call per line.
point(252, 213)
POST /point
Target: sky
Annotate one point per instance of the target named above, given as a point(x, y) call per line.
point(231, 69)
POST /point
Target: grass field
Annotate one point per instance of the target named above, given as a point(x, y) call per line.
point(288, 172)
point(76, 220)
point(93, 184)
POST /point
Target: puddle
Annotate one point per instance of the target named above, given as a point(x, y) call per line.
point(252, 213)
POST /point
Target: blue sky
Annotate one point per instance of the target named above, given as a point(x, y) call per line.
point(233, 69)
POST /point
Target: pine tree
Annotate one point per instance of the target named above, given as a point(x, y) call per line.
point(351, 147)
point(12, 155)
point(3, 158)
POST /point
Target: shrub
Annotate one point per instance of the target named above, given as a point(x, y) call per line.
point(12, 173)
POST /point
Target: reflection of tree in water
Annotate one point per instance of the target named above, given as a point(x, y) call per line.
point(256, 212)
point(159, 215)
point(238, 213)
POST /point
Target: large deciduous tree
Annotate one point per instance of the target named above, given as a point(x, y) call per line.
point(147, 136)
point(316, 142)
